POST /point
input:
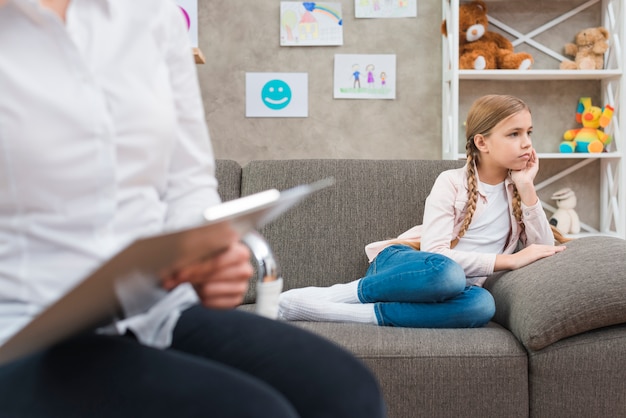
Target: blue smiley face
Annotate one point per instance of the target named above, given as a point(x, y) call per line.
point(276, 94)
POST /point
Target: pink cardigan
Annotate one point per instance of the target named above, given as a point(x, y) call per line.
point(443, 216)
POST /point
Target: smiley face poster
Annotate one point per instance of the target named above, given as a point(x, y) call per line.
point(277, 95)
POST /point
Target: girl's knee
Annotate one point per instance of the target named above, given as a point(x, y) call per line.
point(451, 275)
point(484, 307)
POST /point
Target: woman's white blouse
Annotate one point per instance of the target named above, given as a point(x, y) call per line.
point(102, 140)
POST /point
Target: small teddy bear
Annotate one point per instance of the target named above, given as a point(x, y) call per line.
point(565, 219)
point(480, 49)
point(588, 50)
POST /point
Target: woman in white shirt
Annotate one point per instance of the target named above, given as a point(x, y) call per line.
point(103, 140)
point(474, 219)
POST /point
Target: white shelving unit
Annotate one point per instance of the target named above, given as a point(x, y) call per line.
point(612, 204)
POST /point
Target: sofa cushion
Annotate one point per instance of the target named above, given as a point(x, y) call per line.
point(577, 290)
point(580, 376)
point(438, 373)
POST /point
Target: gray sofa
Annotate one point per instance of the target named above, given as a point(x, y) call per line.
point(555, 348)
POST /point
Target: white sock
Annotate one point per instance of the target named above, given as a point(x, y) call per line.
point(342, 292)
point(298, 308)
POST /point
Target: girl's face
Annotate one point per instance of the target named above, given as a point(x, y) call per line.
point(508, 145)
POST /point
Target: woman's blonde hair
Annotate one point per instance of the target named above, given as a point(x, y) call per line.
point(484, 114)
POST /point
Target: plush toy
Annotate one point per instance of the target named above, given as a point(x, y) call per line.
point(565, 219)
point(588, 50)
point(480, 49)
point(589, 138)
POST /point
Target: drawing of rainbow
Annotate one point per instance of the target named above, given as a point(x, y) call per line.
point(315, 7)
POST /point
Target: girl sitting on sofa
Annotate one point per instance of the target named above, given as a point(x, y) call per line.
point(474, 218)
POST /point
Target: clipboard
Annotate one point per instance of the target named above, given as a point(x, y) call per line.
point(95, 300)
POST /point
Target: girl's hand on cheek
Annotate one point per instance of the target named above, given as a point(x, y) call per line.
point(533, 163)
point(527, 174)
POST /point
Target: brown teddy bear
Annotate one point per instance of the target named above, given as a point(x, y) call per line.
point(588, 50)
point(480, 49)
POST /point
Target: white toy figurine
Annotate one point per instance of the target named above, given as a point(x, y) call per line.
point(565, 219)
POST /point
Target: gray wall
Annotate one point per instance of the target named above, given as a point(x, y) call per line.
point(239, 36)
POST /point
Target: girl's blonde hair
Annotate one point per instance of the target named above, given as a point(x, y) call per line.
point(484, 114)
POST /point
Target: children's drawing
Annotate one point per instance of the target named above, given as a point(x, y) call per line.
point(189, 11)
point(385, 8)
point(365, 76)
point(310, 23)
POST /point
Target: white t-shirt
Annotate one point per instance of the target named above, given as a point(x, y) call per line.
point(489, 231)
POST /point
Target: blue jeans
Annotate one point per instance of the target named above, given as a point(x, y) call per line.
point(423, 290)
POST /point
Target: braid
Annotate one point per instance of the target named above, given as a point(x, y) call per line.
point(472, 189)
point(517, 209)
point(485, 113)
point(559, 238)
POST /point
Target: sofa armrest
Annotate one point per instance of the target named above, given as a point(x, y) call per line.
point(577, 290)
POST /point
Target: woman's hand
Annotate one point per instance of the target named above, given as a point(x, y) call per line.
point(220, 281)
point(526, 256)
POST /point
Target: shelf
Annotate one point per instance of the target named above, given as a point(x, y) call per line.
point(529, 75)
point(573, 155)
point(592, 234)
point(608, 86)
point(577, 155)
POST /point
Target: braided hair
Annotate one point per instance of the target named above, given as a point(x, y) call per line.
point(484, 114)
